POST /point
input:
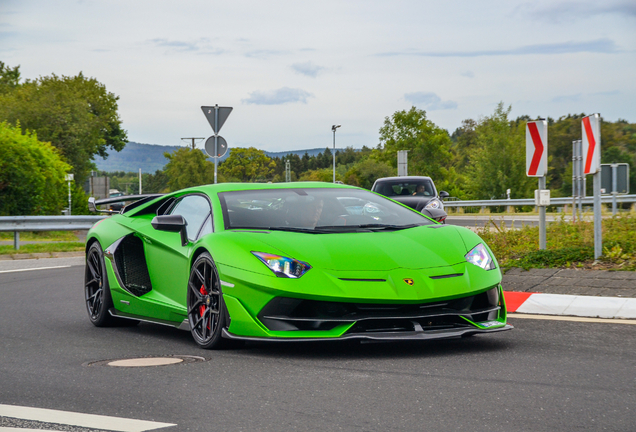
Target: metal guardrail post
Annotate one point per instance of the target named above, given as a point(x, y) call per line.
point(16, 240)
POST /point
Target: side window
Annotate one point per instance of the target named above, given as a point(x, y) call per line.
point(195, 209)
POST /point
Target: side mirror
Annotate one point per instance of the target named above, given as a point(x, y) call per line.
point(436, 214)
point(443, 194)
point(171, 223)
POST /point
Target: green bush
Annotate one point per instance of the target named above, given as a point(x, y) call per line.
point(32, 174)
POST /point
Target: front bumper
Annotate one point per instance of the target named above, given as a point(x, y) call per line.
point(310, 320)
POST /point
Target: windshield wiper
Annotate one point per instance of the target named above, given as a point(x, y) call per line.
point(295, 229)
point(386, 227)
point(340, 228)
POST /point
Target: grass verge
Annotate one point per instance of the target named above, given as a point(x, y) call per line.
point(42, 248)
point(44, 236)
point(568, 245)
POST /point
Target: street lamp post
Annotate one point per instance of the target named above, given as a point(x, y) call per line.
point(333, 128)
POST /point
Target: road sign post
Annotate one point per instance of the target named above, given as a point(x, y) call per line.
point(537, 166)
point(591, 132)
point(216, 146)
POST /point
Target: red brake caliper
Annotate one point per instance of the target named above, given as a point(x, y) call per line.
point(202, 307)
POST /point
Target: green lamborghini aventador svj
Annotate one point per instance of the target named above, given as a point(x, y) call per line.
point(289, 262)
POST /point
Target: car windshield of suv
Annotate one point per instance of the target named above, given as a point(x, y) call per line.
point(406, 188)
point(316, 210)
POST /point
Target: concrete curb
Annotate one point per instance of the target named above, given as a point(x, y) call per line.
point(570, 305)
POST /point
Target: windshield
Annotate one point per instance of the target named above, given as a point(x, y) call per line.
point(421, 187)
point(315, 210)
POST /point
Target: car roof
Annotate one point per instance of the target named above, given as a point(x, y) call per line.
point(231, 187)
point(405, 178)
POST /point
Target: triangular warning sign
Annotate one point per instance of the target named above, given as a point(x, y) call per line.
point(224, 113)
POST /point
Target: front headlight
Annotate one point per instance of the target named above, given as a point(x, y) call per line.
point(480, 257)
point(434, 204)
point(283, 266)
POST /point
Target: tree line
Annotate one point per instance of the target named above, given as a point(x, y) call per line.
point(479, 160)
point(54, 125)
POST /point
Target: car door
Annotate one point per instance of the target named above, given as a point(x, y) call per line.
point(169, 260)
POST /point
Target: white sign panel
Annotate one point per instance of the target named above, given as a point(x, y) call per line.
point(537, 148)
point(591, 128)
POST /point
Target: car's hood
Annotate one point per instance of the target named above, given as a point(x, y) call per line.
point(414, 248)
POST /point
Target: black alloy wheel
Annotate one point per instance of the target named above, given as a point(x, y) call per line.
point(207, 314)
point(96, 291)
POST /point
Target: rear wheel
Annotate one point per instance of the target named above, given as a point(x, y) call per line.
point(207, 313)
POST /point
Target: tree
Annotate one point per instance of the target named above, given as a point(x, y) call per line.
point(428, 145)
point(32, 174)
point(155, 183)
point(498, 162)
point(188, 167)
point(76, 114)
point(247, 165)
point(9, 78)
point(367, 171)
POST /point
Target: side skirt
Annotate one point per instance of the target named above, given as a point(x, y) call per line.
point(184, 325)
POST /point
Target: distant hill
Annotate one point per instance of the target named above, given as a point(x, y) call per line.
point(150, 158)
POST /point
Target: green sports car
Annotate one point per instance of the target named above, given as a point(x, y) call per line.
point(290, 262)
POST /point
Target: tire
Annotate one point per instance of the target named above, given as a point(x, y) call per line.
point(207, 314)
point(97, 291)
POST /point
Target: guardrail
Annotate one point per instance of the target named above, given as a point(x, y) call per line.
point(605, 199)
point(18, 224)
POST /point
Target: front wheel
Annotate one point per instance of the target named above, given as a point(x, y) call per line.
point(96, 290)
point(207, 314)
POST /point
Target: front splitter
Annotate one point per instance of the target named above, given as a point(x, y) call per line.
point(380, 336)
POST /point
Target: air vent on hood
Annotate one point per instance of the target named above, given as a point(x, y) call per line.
point(447, 276)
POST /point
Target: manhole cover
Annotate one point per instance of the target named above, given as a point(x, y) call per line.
point(147, 361)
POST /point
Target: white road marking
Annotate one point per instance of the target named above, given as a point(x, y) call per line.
point(79, 419)
point(571, 318)
point(8, 429)
point(37, 268)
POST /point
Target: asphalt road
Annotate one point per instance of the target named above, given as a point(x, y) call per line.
point(542, 376)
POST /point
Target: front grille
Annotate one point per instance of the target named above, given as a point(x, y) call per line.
point(295, 314)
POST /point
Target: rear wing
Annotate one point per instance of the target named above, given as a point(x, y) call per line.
point(140, 199)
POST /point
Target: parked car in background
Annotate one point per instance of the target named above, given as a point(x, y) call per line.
point(417, 192)
point(113, 193)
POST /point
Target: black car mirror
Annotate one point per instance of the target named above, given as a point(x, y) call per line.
point(171, 223)
point(443, 194)
point(438, 215)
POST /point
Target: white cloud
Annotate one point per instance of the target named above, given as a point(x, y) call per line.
point(281, 96)
point(429, 101)
point(308, 69)
point(603, 45)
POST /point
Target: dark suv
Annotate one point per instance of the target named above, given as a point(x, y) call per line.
point(417, 192)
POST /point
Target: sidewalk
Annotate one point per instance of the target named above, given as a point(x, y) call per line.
point(586, 293)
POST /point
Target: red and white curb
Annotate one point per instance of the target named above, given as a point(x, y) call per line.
point(570, 305)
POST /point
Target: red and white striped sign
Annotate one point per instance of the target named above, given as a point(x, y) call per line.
point(537, 148)
point(591, 126)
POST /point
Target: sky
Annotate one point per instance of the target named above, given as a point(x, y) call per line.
point(292, 69)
